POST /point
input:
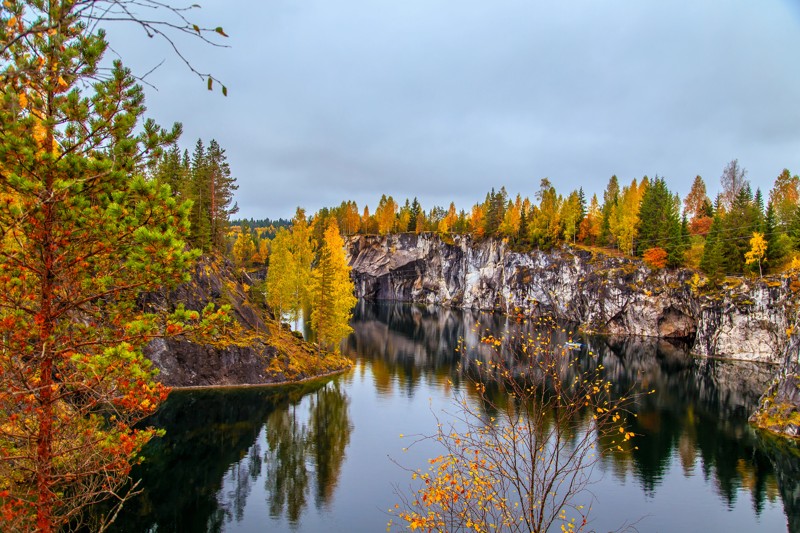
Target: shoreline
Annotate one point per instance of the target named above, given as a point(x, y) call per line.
point(258, 385)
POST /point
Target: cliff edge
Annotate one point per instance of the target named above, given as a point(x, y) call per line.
point(254, 349)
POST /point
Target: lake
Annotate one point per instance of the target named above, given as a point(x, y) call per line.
point(328, 455)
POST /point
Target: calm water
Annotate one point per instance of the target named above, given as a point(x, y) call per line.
point(324, 456)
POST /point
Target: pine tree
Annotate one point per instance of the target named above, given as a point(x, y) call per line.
point(198, 192)
point(221, 186)
point(84, 233)
point(332, 297)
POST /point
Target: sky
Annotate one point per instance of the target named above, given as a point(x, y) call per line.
point(443, 100)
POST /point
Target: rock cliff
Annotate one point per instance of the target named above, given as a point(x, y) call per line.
point(605, 294)
point(255, 349)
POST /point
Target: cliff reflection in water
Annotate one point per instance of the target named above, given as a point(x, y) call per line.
point(225, 448)
point(697, 414)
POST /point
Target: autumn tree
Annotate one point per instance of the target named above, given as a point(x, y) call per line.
point(243, 247)
point(623, 217)
point(279, 282)
point(302, 255)
point(758, 249)
point(385, 214)
point(655, 257)
point(84, 233)
point(589, 229)
point(331, 292)
point(520, 457)
point(697, 208)
point(784, 197)
point(448, 223)
point(545, 226)
point(571, 215)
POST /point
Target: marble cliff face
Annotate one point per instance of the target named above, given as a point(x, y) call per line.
point(605, 294)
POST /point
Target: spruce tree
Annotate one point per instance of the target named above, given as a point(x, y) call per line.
point(712, 262)
point(659, 222)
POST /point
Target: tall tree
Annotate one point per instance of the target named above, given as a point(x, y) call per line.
point(198, 193)
point(332, 297)
point(221, 186)
point(244, 248)
point(571, 215)
point(785, 196)
point(659, 223)
point(302, 255)
point(610, 200)
point(83, 232)
point(545, 226)
point(589, 229)
point(713, 261)
point(280, 274)
point(385, 214)
point(623, 218)
point(733, 181)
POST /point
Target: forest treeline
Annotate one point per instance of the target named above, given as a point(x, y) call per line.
point(738, 232)
point(308, 272)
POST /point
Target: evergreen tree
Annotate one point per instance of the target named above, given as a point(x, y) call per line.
point(332, 297)
point(198, 192)
point(610, 200)
point(713, 262)
point(738, 227)
point(415, 211)
point(221, 186)
point(83, 235)
point(778, 242)
point(659, 222)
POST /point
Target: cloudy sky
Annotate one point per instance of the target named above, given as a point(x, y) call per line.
point(445, 99)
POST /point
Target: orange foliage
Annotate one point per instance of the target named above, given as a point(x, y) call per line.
point(655, 257)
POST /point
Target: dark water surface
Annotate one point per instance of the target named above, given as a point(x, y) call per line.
point(322, 456)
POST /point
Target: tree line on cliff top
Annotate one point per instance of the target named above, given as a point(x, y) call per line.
point(737, 232)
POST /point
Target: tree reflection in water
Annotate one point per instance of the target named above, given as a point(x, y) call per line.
point(698, 412)
point(202, 474)
point(289, 459)
point(305, 442)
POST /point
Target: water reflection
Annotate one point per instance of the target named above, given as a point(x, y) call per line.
point(203, 474)
point(697, 414)
point(313, 457)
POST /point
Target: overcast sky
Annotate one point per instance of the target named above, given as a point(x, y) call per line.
point(445, 99)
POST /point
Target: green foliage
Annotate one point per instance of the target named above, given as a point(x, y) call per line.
point(660, 224)
point(204, 179)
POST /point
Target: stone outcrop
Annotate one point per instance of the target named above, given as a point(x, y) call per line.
point(256, 350)
point(604, 294)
